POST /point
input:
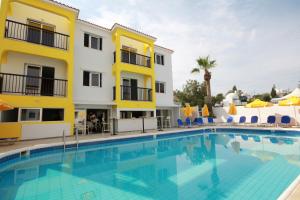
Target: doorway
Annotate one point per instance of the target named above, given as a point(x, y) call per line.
point(47, 86)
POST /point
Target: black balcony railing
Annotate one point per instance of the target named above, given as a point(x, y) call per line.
point(32, 85)
point(32, 34)
point(136, 93)
point(135, 58)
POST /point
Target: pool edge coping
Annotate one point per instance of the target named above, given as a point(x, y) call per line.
point(288, 192)
point(40, 146)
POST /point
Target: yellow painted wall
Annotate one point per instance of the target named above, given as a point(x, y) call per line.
point(145, 46)
point(65, 18)
point(21, 12)
point(15, 64)
point(9, 130)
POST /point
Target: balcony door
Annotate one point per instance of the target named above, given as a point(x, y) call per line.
point(40, 33)
point(47, 86)
point(134, 89)
point(48, 35)
point(34, 32)
point(32, 83)
point(126, 89)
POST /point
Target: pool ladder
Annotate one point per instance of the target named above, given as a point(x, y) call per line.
point(76, 138)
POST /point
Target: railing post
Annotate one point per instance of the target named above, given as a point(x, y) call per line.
point(64, 139)
point(143, 124)
point(76, 137)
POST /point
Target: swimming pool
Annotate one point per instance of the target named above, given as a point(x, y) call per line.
point(226, 164)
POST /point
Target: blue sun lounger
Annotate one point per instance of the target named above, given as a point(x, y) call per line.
point(242, 120)
point(210, 120)
point(188, 122)
point(254, 119)
point(271, 120)
point(180, 123)
point(199, 121)
point(285, 121)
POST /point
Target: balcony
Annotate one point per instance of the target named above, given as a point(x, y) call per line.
point(32, 85)
point(129, 93)
point(135, 58)
point(36, 35)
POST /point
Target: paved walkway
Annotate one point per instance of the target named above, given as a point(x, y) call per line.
point(29, 143)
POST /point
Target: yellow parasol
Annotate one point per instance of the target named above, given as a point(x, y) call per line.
point(292, 101)
point(257, 103)
point(205, 112)
point(188, 110)
point(232, 109)
point(5, 106)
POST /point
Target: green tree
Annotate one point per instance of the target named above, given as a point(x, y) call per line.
point(193, 92)
point(263, 97)
point(273, 92)
point(217, 99)
point(205, 64)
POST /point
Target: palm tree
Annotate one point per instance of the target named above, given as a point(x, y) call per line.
point(205, 63)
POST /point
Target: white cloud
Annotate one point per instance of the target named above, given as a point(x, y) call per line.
point(253, 44)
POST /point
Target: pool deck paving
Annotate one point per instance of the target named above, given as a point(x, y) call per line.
point(291, 193)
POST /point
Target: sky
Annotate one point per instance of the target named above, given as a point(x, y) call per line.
point(256, 43)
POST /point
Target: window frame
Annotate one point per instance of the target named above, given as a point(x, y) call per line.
point(53, 120)
point(158, 89)
point(90, 36)
point(100, 78)
point(161, 59)
point(20, 115)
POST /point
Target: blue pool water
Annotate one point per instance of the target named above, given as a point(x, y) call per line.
point(195, 165)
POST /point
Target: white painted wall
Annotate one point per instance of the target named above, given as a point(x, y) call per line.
point(163, 73)
point(36, 131)
point(135, 124)
point(16, 64)
point(222, 113)
point(93, 60)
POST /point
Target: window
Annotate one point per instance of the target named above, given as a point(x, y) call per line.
point(40, 33)
point(33, 80)
point(92, 79)
point(9, 115)
point(53, 114)
point(159, 59)
point(30, 114)
point(86, 40)
point(95, 42)
point(160, 87)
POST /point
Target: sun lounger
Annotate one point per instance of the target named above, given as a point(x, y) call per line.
point(254, 120)
point(285, 121)
point(210, 121)
point(229, 120)
point(271, 120)
point(180, 123)
point(188, 122)
point(199, 121)
point(242, 120)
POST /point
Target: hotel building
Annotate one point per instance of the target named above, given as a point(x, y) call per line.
point(53, 65)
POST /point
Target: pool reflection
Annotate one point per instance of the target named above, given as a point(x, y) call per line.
point(210, 166)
